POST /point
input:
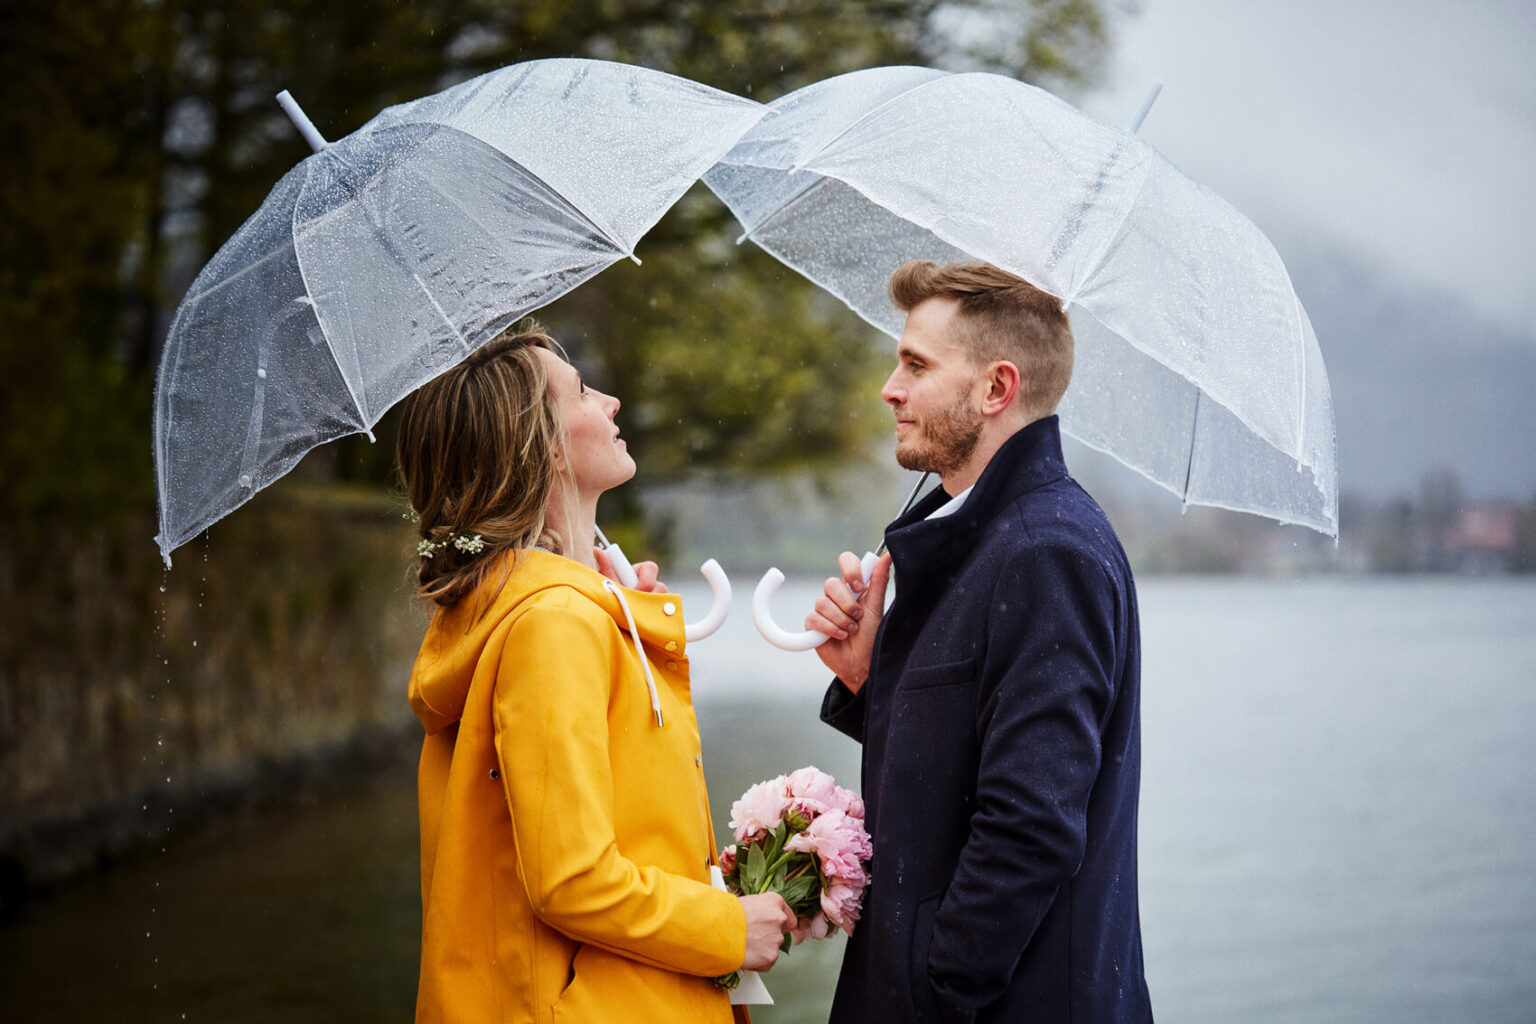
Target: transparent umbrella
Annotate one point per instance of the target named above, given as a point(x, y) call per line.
point(1196, 364)
point(392, 254)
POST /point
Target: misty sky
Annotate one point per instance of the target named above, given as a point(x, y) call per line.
point(1405, 128)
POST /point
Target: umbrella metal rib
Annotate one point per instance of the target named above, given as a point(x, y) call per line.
point(1194, 432)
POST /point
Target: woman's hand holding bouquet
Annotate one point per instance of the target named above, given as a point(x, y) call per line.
point(802, 836)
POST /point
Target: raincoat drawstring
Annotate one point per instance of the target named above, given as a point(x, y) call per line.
point(634, 634)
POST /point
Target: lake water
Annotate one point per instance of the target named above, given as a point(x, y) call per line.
point(1338, 823)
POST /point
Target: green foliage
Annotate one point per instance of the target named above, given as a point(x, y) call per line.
point(756, 869)
point(802, 893)
point(727, 361)
point(1056, 43)
point(74, 448)
point(764, 865)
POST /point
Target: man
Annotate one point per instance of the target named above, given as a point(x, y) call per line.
point(997, 700)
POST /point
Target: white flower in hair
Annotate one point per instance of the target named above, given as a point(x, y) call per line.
point(473, 545)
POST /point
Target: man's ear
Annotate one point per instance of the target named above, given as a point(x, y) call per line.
point(1002, 381)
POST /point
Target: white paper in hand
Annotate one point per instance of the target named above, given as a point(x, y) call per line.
point(751, 991)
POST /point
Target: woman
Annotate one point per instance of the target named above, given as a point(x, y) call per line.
point(565, 832)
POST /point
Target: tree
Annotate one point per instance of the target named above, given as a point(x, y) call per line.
point(1441, 502)
point(1524, 559)
point(141, 133)
point(147, 133)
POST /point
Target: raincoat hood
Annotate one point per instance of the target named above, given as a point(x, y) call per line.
point(459, 636)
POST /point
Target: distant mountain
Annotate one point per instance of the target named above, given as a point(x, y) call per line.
point(1421, 380)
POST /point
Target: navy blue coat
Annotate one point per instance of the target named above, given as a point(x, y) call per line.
point(1001, 761)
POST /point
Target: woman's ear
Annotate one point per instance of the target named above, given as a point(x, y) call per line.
point(1002, 380)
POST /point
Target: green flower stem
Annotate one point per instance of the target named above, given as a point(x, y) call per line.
point(775, 856)
point(781, 859)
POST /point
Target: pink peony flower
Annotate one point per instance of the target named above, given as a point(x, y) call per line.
point(795, 818)
point(841, 904)
point(856, 876)
point(838, 841)
point(760, 809)
point(815, 927)
point(811, 790)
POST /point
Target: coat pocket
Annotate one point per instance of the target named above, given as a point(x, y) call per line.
point(923, 1008)
point(927, 677)
point(575, 1002)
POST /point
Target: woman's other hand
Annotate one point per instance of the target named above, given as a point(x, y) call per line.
point(768, 918)
point(647, 573)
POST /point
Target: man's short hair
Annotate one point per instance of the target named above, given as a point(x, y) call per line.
point(1002, 316)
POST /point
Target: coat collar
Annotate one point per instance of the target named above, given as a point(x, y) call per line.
point(1029, 459)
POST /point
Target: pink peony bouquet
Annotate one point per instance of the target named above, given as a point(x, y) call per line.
point(802, 836)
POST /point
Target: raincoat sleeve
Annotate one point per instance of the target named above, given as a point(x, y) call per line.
point(1047, 689)
point(551, 715)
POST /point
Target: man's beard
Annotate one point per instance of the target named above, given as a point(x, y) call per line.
point(947, 440)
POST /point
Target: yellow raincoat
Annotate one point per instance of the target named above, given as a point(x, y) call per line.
point(565, 836)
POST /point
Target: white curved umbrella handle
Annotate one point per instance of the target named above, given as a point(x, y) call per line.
point(712, 572)
point(621, 566)
point(722, 589)
point(771, 631)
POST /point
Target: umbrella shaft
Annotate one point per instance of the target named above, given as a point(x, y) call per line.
point(1134, 125)
point(301, 121)
point(907, 504)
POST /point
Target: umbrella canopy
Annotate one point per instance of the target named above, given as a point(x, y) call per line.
point(392, 254)
point(1195, 363)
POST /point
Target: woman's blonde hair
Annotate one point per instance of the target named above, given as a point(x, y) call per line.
point(477, 454)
